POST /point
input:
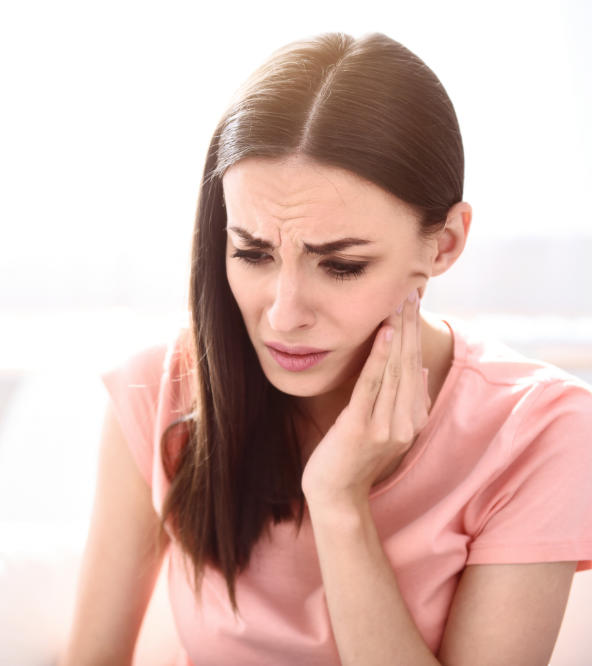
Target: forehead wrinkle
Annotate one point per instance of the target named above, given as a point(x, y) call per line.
point(266, 217)
point(333, 246)
point(303, 232)
point(279, 200)
point(280, 206)
point(284, 204)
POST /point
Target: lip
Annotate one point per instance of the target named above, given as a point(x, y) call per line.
point(296, 361)
point(298, 349)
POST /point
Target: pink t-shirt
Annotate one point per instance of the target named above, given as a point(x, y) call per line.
point(501, 473)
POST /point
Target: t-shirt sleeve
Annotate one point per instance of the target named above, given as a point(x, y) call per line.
point(539, 508)
point(134, 391)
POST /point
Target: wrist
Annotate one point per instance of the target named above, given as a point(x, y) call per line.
point(342, 510)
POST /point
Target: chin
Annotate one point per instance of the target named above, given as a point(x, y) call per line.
point(301, 387)
point(309, 383)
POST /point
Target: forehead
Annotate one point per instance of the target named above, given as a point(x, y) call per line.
point(265, 194)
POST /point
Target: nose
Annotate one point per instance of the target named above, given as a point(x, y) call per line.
point(291, 303)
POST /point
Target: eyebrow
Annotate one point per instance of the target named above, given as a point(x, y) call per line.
point(322, 249)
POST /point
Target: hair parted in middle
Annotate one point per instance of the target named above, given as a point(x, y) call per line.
point(367, 105)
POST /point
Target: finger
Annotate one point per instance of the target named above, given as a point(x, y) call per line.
point(369, 382)
point(423, 401)
point(428, 400)
point(385, 400)
point(404, 414)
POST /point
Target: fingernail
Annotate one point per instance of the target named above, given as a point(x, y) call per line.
point(388, 333)
point(400, 308)
point(412, 296)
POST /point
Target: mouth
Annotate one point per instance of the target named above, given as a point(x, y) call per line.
point(295, 359)
point(296, 350)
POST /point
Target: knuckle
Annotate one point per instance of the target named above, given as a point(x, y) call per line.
point(343, 416)
point(405, 432)
point(410, 361)
point(372, 384)
point(394, 371)
point(423, 421)
point(381, 434)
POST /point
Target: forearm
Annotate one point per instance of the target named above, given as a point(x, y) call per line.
point(370, 620)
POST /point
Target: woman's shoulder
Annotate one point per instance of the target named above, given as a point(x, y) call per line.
point(179, 373)
point(509, 390)
point(152, 357)
point(499, 364)
point(151, 388)
point(155, 372)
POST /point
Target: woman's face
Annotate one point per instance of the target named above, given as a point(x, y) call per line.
point(293, 292)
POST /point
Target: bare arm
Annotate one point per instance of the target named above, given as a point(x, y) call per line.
point(120, 563)
point(370, 620)
point(501, 614)
point(507, 614)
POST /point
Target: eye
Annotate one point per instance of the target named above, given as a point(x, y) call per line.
point(344, 270)
point(340, 270)
point(250, 256)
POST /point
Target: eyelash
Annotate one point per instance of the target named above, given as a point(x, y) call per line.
point(339, 270)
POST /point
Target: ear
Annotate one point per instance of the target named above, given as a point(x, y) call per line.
point(451, 241)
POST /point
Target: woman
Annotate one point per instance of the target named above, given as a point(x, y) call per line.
point(339, 477)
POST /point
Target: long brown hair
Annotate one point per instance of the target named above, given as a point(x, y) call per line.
point(367, 105)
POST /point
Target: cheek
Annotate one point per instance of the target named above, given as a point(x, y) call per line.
point(369, 310)
point(392, 292)
point(246, 296)
point(357, 326)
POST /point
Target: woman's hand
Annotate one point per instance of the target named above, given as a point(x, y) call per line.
point(388, 407)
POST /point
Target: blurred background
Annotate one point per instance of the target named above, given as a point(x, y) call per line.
point(107, 110)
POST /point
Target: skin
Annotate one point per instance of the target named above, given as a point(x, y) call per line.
point(289, 297)
point(365, 403)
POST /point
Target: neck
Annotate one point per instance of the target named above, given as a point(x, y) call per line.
point(323, 410)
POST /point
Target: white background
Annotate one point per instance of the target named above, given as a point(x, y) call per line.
point(108, 108)
point(106, 111)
